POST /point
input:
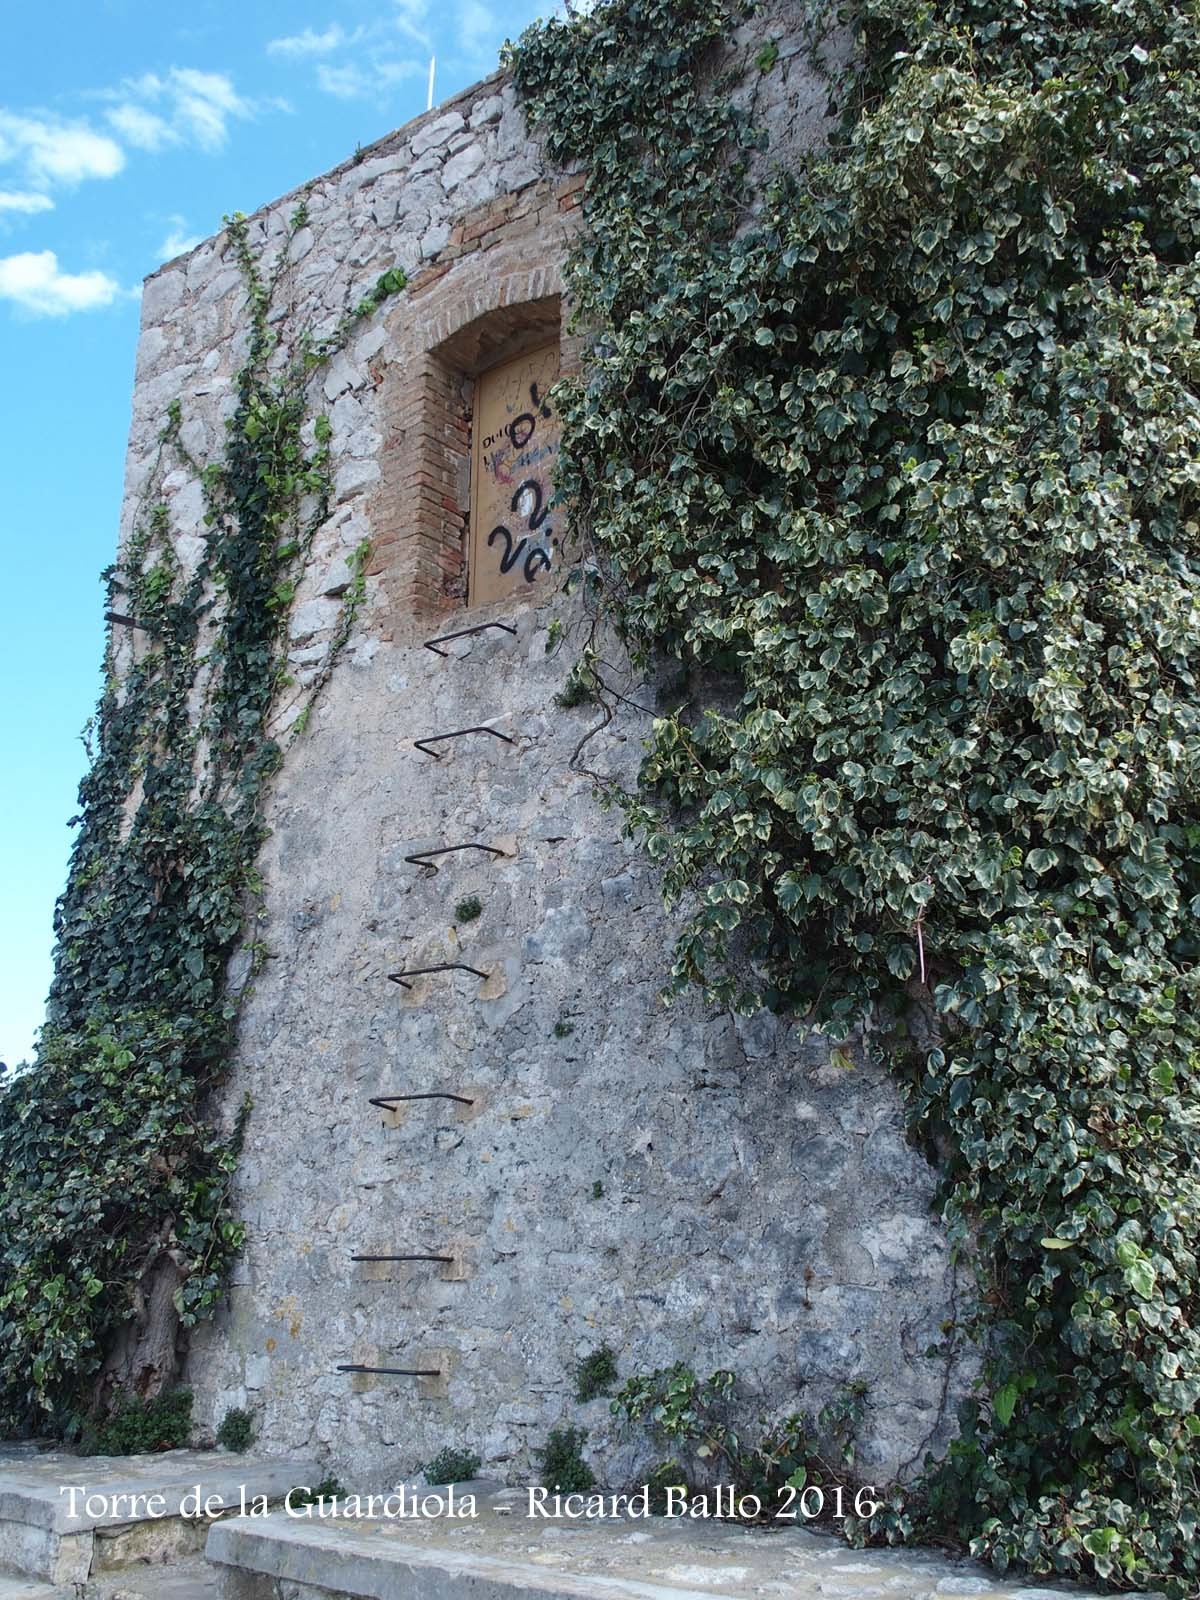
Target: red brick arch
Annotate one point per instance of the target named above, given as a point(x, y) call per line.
point(494, 290)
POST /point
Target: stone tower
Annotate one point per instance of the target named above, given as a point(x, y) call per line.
point(569, 1162)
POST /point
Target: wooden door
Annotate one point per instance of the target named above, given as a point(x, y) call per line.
point(514, 444)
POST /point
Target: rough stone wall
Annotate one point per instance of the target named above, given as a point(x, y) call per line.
point(676, 1183)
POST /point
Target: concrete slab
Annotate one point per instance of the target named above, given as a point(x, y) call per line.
point(501, 1553)
point(115, 1490)
point(64, 1518)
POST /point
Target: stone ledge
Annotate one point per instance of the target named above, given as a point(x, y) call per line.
point(30, 1484)
point(39, 1537)
point(193, 1579)
point(501, 1553)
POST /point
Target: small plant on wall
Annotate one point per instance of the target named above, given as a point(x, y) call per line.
point(236, 1431)
point(138, 1427)
point(596, 1373)
point(452, 1465)
point(561, 1462)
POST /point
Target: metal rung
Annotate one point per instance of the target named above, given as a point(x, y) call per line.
point(424, 858)
point(124, 621)
point(447, 1260)
point(463, 633)
point(421, 972)
point(395, 1372)
point(423, 743)
point(385, 1102)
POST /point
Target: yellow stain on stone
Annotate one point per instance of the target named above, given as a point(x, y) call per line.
point(270, 1346)
point(289, 1308)
point(494, 986)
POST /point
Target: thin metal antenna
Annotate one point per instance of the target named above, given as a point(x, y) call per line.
point(429, 98)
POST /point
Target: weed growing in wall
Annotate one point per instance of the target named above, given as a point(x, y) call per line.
point(452, 1465)
point(114, 1216)
point(596, 1373)
point(561, 1462)
point(910, 463)
point(310, 1495)
point(236, 1431)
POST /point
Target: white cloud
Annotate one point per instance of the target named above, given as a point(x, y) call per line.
point(183, 106)
point(204, 104)
point(178, 241)
point(346, 82)
point(410, 16)
point(23, 203)
point(366, 62)
point(353, 82)
point(137, 126)
point(58, 152)
point(476, 28)
point(33, 282)
point(309, 43)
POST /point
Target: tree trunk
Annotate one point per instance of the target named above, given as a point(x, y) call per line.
point(145, 1356)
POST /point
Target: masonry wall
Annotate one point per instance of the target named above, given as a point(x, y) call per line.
point(677, 1183)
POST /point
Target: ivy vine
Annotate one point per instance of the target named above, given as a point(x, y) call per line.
point(907, 465)
point(114, 1178)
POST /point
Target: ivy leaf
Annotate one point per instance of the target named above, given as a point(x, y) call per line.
point(1142, 1279)
point(1004, 1403)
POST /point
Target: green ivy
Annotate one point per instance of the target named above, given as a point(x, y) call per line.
point(906, 468)
point(694, 1417)
point(110, 1168)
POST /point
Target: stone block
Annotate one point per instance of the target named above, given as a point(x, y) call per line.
point(464, 165)
point(436, 132)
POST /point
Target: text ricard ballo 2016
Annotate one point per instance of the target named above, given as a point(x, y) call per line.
point(793, 1504)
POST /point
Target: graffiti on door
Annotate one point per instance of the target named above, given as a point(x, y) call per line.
point(514, 446)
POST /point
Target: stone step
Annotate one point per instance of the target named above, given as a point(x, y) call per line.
point(185, 1580)
point(16, 1586)
point(125, 1511)
point(501, 1553)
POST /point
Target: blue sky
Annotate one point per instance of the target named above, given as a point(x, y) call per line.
point(127, 130)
